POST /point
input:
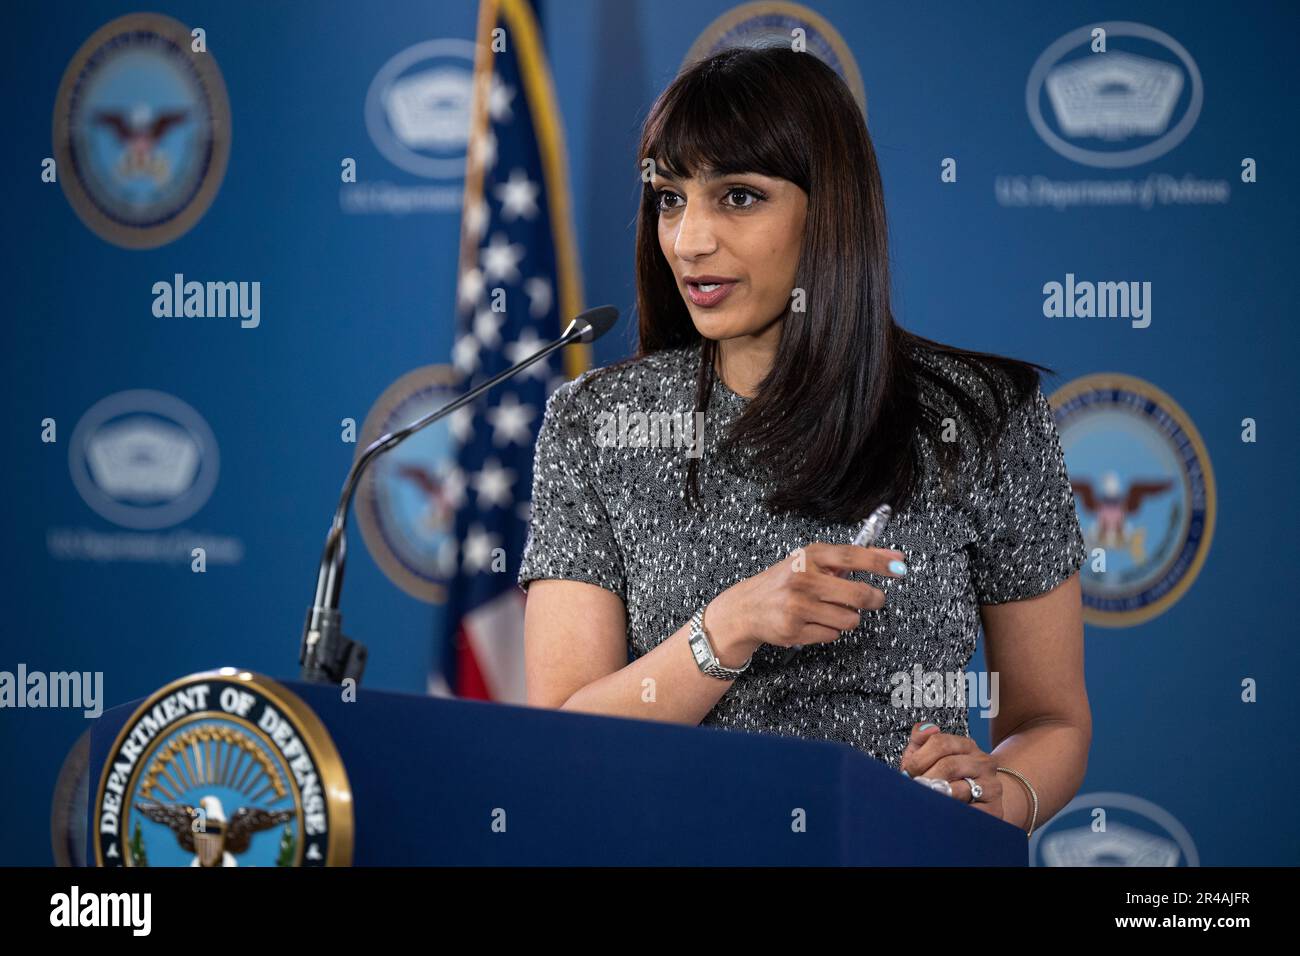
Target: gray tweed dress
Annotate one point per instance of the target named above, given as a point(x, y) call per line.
point(614, 515)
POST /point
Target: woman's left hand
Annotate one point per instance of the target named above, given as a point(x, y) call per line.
point(934, 754)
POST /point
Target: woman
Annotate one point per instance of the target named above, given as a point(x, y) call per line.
point(763, 299)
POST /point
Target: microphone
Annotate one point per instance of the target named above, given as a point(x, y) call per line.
point(326, 655)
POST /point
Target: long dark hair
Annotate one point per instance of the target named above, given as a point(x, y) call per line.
point(840, 409)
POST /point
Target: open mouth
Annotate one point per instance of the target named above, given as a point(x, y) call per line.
point(707, 294)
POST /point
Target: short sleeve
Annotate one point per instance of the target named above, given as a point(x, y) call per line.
point(1028, 536)
point(569, 531)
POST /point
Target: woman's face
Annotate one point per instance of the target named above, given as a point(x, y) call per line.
point(744, 232)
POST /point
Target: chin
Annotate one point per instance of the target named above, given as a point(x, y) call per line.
point(719, 325)
point(716, 325)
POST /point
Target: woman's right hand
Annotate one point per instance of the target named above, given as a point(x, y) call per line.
point(800, 600)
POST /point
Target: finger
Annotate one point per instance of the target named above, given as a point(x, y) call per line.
point(955, 766)
point(920, 730)
point(934, 747)
point(941, 743)
point(834, 616)
point(852, 557)
point(990, 793)
point(937, 746)
point(852, 594)
point(818, 634)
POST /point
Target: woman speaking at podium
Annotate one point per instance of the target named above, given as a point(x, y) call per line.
point(707, 576)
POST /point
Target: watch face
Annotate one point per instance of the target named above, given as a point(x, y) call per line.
point(698, 649)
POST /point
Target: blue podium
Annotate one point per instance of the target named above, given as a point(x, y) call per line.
point(440, 782)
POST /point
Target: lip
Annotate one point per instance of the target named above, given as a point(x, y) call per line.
point(708, 299)
point(708, 279)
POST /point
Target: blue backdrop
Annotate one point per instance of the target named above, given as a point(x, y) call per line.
point(357, 289)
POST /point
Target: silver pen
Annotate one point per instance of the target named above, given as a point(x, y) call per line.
point(867, 536)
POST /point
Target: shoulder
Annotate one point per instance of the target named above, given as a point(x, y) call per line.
point(646, 380)
point(994, 386)
point(577, 410)
point(983, 408)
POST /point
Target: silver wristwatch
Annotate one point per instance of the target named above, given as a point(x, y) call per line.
point(705, 657)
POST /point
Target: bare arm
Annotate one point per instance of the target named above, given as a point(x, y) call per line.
point(575, 658)
point(575, 634)
point(1043, 727)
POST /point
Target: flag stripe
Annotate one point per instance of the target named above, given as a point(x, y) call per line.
point(518, 286)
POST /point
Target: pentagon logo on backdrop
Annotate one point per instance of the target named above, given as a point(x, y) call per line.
point(141, 131)
point(417, 112)
point(146, 461)
point(417, 108)
point(1125, 106)
point(1112, 829)
point(143, 459)
point(1144, 490)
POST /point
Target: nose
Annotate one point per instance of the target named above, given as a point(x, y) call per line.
point(695, 236)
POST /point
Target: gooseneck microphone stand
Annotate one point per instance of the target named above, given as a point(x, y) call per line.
point(326, 655)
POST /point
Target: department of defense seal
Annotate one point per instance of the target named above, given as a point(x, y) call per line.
point(1144, 490)
point(141, 131)
point(407, 501)
point(224, 768)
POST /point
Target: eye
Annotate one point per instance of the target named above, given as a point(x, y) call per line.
point(745, 191)
point(662, 195)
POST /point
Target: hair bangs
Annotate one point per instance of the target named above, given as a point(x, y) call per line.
point(714, 124)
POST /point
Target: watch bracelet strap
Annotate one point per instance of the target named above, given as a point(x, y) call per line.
point(713, 667)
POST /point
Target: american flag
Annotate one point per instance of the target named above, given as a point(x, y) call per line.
point(518, 286)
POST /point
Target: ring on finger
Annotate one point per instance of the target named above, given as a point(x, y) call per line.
point(976, 791)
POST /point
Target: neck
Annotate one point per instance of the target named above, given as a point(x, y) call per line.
point(743, 362)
